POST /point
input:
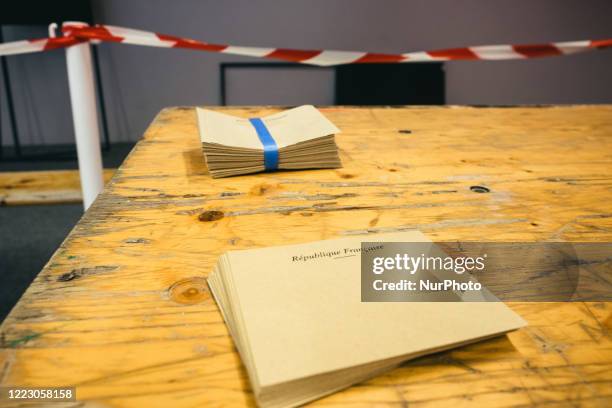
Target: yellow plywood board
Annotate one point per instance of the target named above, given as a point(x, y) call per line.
point(122, 310)
point(43, 187)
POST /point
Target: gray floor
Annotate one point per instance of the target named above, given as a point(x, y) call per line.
point(29, 235)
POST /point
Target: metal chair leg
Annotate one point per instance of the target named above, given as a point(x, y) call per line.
point(100, 92)
point(9, 101)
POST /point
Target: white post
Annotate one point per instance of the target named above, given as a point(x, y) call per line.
point(85, 118)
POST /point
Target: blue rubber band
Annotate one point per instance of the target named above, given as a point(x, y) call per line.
point(268, 142)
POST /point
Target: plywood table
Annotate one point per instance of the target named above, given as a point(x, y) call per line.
point(122, 311)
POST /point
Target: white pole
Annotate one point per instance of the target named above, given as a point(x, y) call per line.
point(85, 118)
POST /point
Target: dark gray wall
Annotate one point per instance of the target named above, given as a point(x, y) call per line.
point(140, 81)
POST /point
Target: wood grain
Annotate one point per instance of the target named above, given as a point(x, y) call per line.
point(123, 313)
point(43, 187)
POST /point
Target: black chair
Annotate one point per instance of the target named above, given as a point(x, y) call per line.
point(369, 84)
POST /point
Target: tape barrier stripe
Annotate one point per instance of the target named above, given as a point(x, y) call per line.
point(38, 45)
point(61, 42)
point(97, 32)
point(371, 57)
point(22, 47)
point(75, 33)
point(601, 44)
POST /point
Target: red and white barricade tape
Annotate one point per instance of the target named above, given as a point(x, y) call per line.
point(82, 90)
point(38, 45)
point(76, 33)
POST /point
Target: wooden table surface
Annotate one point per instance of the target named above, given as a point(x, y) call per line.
point(123, 313)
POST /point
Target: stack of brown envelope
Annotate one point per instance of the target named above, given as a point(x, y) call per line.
point(299, 138)
point(297, 319)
